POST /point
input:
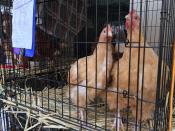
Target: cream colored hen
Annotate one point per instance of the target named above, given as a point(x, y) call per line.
point(92, 77)
point(139, 76)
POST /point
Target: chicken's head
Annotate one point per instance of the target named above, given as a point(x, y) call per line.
point(106, 34)
point(132, 20)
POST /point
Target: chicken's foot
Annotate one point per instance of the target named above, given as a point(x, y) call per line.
point(118, 122)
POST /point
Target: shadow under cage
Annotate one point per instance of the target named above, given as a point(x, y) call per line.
point(98, 65)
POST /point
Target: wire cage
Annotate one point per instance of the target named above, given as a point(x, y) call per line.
point(98, 65)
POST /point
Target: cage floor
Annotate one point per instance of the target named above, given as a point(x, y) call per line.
point(54, 100)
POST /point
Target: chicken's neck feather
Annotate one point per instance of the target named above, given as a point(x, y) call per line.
point(136, 37)
point(103, 47)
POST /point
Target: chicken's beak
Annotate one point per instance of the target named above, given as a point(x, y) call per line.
point(110, 33)
point(109, 30)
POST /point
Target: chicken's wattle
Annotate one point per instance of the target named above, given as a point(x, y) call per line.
point(127, 24)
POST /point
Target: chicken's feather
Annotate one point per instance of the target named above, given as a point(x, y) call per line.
point(88, 79)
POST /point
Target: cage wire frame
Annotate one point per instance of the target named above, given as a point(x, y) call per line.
point(166, 24)
point(32, 90)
